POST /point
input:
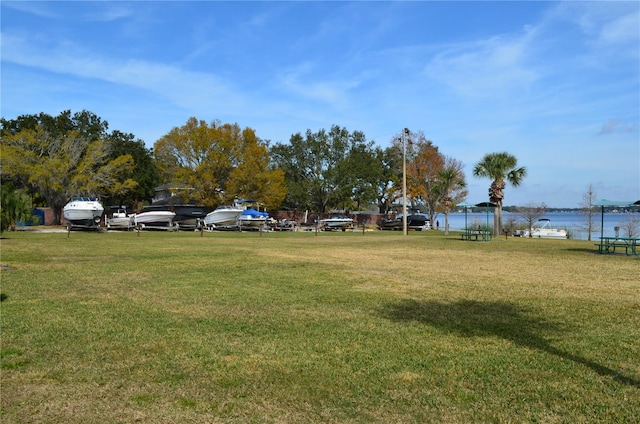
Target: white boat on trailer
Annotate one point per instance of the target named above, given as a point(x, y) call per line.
point(225, 216)
point(156, 220)
point(83, 212)
point(253, 219)
point(338, 222)
point(187, 216)
point(120, 220)
point(235, 216)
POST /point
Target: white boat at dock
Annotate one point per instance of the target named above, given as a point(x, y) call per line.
point(542, 230)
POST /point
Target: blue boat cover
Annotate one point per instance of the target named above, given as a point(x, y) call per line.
point(254, 213)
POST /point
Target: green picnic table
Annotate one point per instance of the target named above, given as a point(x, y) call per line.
point(476, 234)
point(610, 244)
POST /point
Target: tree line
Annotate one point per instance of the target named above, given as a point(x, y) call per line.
point(55, 158)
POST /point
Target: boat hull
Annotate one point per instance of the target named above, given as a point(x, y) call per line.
point(252, 222)
point(544, 231)
point(550, 234)
point(390, 224)
point(154, 218)
point(83, 212)
point(224, 216)
point(252, 218)
point(336, 223)
point(186, 216)
point(120, 222)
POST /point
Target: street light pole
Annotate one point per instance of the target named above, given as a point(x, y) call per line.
point(405, 133)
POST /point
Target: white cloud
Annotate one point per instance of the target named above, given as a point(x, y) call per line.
point(186, 89)
point(111, 11)
point(486, 68)
point(610, 28)
point(303, 82)
point(620, 37)
point(41, 9)
point(624, 29)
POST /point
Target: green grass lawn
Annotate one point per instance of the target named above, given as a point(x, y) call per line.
point(297, 328)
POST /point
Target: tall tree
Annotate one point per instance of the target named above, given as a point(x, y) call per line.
point(589, 211)
point(217, 162)
point(253, 178)
point(366, 170)
point(500, 168)
point(297, 165)
point(320, 169)
point(388, 161)
point(450, 187)
point(145, 173)
point(423, 162)
point(62, 157)
point(200, 156)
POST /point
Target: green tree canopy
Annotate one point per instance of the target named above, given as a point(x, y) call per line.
point(327, 170)
point(145, 172)
point(388, 173)
point(62, 157)
point(369, 175)
point(86, 123)
point(253, 178)
point(15, 205)
point(218, 163)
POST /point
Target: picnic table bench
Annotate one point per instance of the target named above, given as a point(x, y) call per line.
point(475, 234)
point(610, 244)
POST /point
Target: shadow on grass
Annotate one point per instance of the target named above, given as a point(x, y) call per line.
point(583, 249)
point(595, 252)
point(505, 320)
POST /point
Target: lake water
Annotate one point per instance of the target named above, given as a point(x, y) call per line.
point(574, 223)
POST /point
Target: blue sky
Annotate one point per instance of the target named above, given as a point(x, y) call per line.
point(555, 84)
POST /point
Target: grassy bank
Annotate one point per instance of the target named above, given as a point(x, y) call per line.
point(294, 327)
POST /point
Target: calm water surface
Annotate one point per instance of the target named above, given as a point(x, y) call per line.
point(574, 223)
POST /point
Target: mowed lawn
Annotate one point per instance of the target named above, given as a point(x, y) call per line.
point(303, 328)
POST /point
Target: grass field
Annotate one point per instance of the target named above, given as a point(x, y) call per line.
point(301, 328)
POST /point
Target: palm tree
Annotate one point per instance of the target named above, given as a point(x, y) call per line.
point(15, 205)
point(501, 168)
point(451, 187)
